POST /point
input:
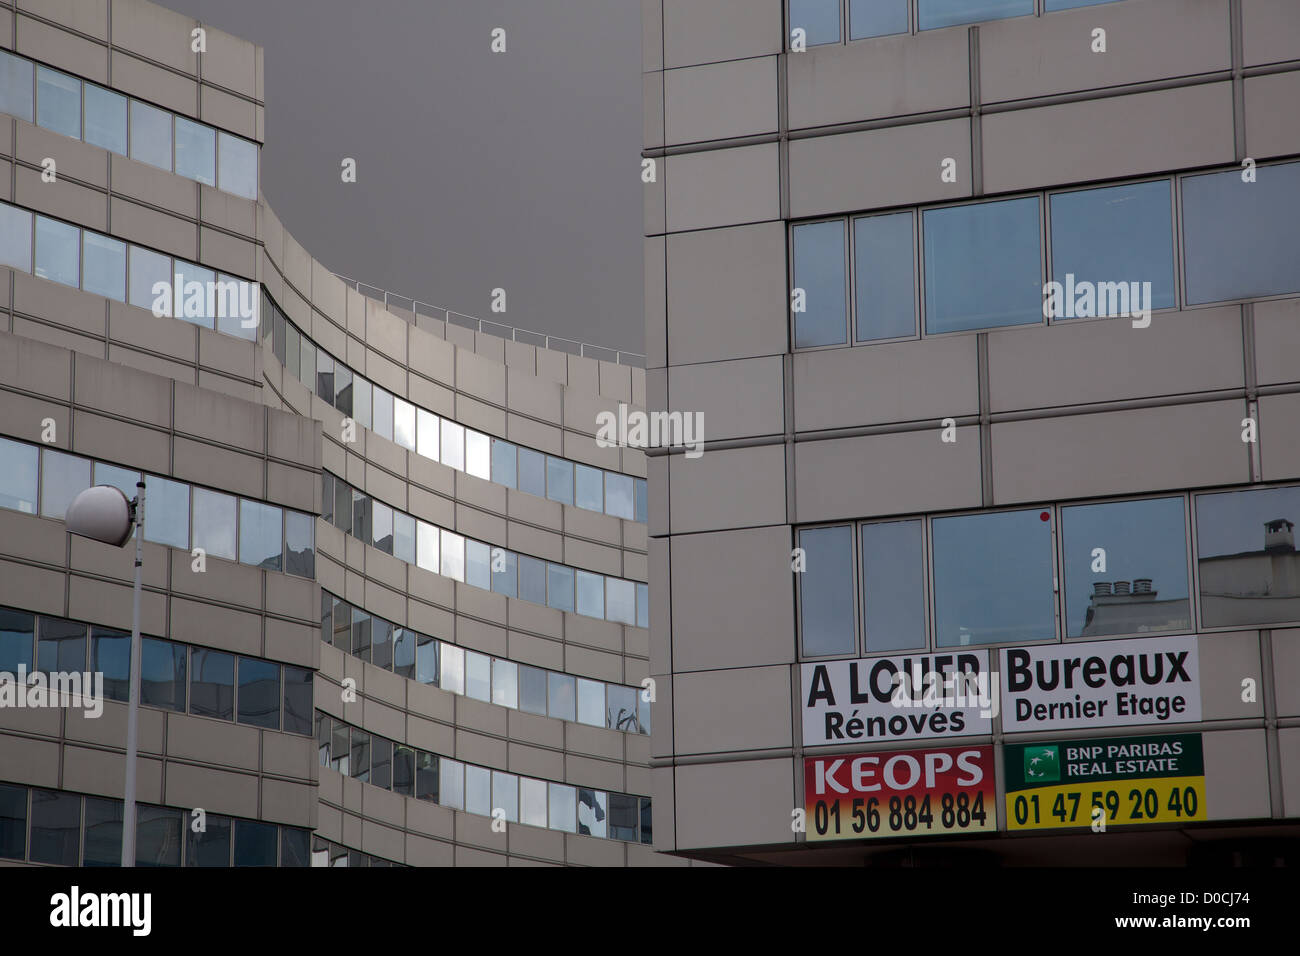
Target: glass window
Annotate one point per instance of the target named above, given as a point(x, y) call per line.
point(58, 251)
point(893, 586)
point(591, 594)
point(63, 477)
point(123, 479)
point(381, 527)
point(426, 660)
point(147, 270)
point(591, 702)
point(478, 455)
point(1240, 238)
point(110, 655)
point(532, 802)
point(342, 506)
point(453, 445)
point(819, 271)
point(105, 118)
point(293, 847)
point(15, 237)
point(559, 480)
point(255, 843)
point(620, 600)
point(212, 683)
point(360, 634)
point(1052, 5)
point(647, 832)
point(559, 587)
point(819, 19)
point(299, 544)
point(993, 578)
point(643, 605)
point(237, 311)
point(428, 771)
point(505, 795)
point(259, 693)
point(58, 102)
point(1137, 582)
point(381, 763)
point(451, 784)
point(592, 812)
point(618, 496)
point(532, 689)
point(342, 626)
point(1111, 238)
point(61, 647)
point(196, 151)
point(18, 476)
point(237, 166)
point(404, 423)
point(307, 365)
point(103, 269)
point(453, 555)
point(1246, 558)
point(362, 401)
point(56, 827)
point(404, 643)
point(325, 376)
point(478, 676)
point(589, 488)
point(343, 389)
point(478, 564)
point(944, 13)
point(359, 763)
point(503, 463)
point(876, 18)
point(564, 807)
point(983, 265)
point(209, 847)
point(426, 546)
point(505, 572)
point(260, 535)
point(562, 696)
point(620, 708)
point(622, 817)
point(293, 353)
point(532, 579)
point(162, 674)
point(151, 135)
point(193, 304)
point(404, 770)
point(158, 836)
point(214, 522)
point(426, 425)
point(643, 711)
point(340, 747)
point(15, 86)
point(478, 790)
point(17, 640)
point(532, 472)
point(505, 683)
point(883, 275)
point(103, 832)
point(451, 668)
point(826, 591)
point(167, 512)
point(381, 643)
point(404, 537)
point(642, 506)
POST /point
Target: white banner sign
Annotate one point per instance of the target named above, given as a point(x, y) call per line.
point(1100, 684)
point(897, 698)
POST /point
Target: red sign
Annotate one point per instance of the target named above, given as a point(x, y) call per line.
point(900, 793)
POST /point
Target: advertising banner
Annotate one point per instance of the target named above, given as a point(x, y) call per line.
point(1117, 781)
point(900, 793)
point(1100, 684)
point(897, 698)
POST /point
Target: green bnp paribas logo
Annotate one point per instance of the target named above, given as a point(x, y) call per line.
point(1042, 764)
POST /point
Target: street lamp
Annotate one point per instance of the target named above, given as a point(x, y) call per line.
point(103, 513)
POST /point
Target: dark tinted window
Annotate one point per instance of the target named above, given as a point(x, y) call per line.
point(110, 653)
point(17, 640)
point(56, 827)
point(255, 843)
point(13, 822)
point(103, 832)
point(297, 700)
point(212, 684)
point(158, 836)
point(62, 646)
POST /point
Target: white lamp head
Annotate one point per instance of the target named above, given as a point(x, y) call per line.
point(102, 513)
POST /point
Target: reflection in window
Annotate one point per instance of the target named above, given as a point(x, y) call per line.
point(237, 165)
point(593, 813)
point(214, 523)
point(403, 537)
point(451, 666)
point(505, 795)
point(381, 762)
point(103, 266)
point(56, 827)
point(532, 689)
point(478, 676)
point(1138, 584)
point(404, 423)
point(819, 272)
point(58, 102)
point(15, 236)
point(255, 843)
point(196, 151)
point(993, 578)
point(260, 535)
point(1240, 238)
point(17, 640)
point(882, 273)
point(381, 526)
point(58, 251)
point(505, 574)
point(819, 19)
point(103, 832)
point(589, 488)
point(259, 693)
point(478, 790)
point(426, 546)
point(167, 512)
point(893, 586)
point(876, 18)
point(13, 804)
point(210, 847)
point(428, 776)
point(826, 591)
point(299, 544)
point(426, 661)
point(427, 436)
point(61, 646)
point(453, 555)
point(562, 695)
point(453, 445)
point(15, 86)
point(618, 496)
point(162, 674)
point(505, 683)
point(298, 682)
point(158, 835)
point(151, 135)
point(63, 478)
point(620, 601)
point(621, 708)
point(943, 13)
point(403, 770)
point(110, 654)
point(591, 702)
point(563, 807)
point(212, 684)
point(404, 645)
point(983, 265)
point(622, 816)
point(105, 118)
point(478, 455)
point(1119, 234)
point(559, 480)
point(359, 764)
point(1246, 559)
point(360, 634)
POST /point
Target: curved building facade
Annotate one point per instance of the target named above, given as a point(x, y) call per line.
point(395, 604)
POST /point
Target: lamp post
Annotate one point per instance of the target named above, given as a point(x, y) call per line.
point(104, 514)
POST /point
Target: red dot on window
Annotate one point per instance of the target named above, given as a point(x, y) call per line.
point(1045, 516)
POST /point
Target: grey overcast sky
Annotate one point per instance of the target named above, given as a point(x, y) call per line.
point(475, 170)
